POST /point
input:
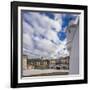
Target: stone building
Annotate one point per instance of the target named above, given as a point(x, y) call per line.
point(40, 63)
point(24, 62)
point(37, 64)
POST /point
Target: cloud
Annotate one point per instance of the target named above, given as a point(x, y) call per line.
point(27, 28)
point(27, 40)
point(46, 45)
point(40, 34)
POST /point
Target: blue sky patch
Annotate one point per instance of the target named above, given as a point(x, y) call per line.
point(62, 35)
point(66, 19)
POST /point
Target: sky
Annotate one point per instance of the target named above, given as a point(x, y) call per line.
point(44, 33)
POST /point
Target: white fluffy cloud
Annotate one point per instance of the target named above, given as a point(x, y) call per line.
point(27, 40)
point(40, 34)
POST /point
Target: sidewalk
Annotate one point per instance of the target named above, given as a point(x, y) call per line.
point(36, 72)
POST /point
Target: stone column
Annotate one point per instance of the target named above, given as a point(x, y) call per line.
point(24, 62)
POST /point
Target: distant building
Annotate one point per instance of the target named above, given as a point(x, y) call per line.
point(40, 63)
point(73, 46)
point(37, 64)
point(63, 62)
point(24, 62)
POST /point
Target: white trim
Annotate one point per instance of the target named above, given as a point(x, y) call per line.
point(52, 78)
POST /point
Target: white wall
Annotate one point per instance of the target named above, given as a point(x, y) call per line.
point(74, 54)
point(5, 46)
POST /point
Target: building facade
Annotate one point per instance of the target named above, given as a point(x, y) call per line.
point(73, 47)
point(39, 63)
